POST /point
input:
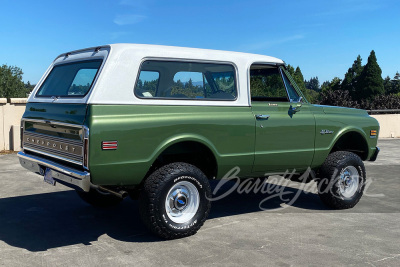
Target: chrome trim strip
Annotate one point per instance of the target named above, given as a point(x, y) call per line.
point(69, 176)
point(77, 158)
point(53, 156)
point(55, 122)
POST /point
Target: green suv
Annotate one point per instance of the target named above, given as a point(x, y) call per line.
point(158, 122)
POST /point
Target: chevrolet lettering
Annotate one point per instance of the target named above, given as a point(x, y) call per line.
point(156, 123)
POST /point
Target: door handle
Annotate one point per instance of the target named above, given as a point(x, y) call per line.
point(262, 117)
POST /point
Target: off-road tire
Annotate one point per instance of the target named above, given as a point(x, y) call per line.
point(99, 199)
point(152, 200)
point(329, 179)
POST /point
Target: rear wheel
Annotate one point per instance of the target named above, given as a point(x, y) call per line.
point(98, 198)
point(342, 180)
point(174, 200)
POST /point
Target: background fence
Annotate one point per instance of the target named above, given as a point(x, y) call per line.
point(10, 117)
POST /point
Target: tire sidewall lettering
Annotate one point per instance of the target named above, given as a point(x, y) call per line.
point(190, 178)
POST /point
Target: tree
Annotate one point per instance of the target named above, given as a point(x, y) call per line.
point(29, 87)
point(11, 84)
point(311, 96)
point(299, 79)
point(350, 81)
point(388, 85)
point(290, 69)
point(333, 85)
point(312, 84)
point(392, 86)
point(189, 84)
point(370, 80)
point(180, 84)
point(325, 86)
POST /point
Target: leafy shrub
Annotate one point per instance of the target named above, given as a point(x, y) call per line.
point(337, 98)
point(391, 101)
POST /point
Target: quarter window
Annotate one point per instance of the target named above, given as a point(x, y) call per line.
point(293, 95)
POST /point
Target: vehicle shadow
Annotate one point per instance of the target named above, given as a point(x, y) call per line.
point(277, 199)
point(45, 221)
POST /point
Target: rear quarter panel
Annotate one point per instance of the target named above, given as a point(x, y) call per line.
point(143, 132)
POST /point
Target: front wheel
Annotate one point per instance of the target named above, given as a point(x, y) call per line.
point(342, 180)
point(174, 200)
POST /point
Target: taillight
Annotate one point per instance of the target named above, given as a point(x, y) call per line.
point(86, 147)
point(21, 134)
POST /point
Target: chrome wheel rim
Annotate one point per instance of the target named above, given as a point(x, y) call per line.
point(182, 202)
point(348, 181)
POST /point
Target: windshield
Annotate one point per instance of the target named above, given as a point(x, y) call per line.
point(70, 80)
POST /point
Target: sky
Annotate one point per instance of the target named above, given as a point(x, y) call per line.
point(322, 37)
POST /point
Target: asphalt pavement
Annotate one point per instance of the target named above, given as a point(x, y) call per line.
point(42, 225)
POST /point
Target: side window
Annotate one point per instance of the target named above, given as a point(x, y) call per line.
point(266, 84)
point(186, 80)
point(188, 85)
point(293, 96)
point(225, 85)
point(147, 83)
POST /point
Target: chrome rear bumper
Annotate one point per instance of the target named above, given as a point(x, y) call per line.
point(65, 175)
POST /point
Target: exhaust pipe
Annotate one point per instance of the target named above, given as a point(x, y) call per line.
point(121, 194)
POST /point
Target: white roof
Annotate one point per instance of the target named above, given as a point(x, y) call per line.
point(194, 53)
point(118, 74)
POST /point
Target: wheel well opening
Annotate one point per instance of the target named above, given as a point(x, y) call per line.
point(190, 152)
point(352, 142)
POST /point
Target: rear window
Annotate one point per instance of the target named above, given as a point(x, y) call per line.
point(70, 80)
point(186, 80)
